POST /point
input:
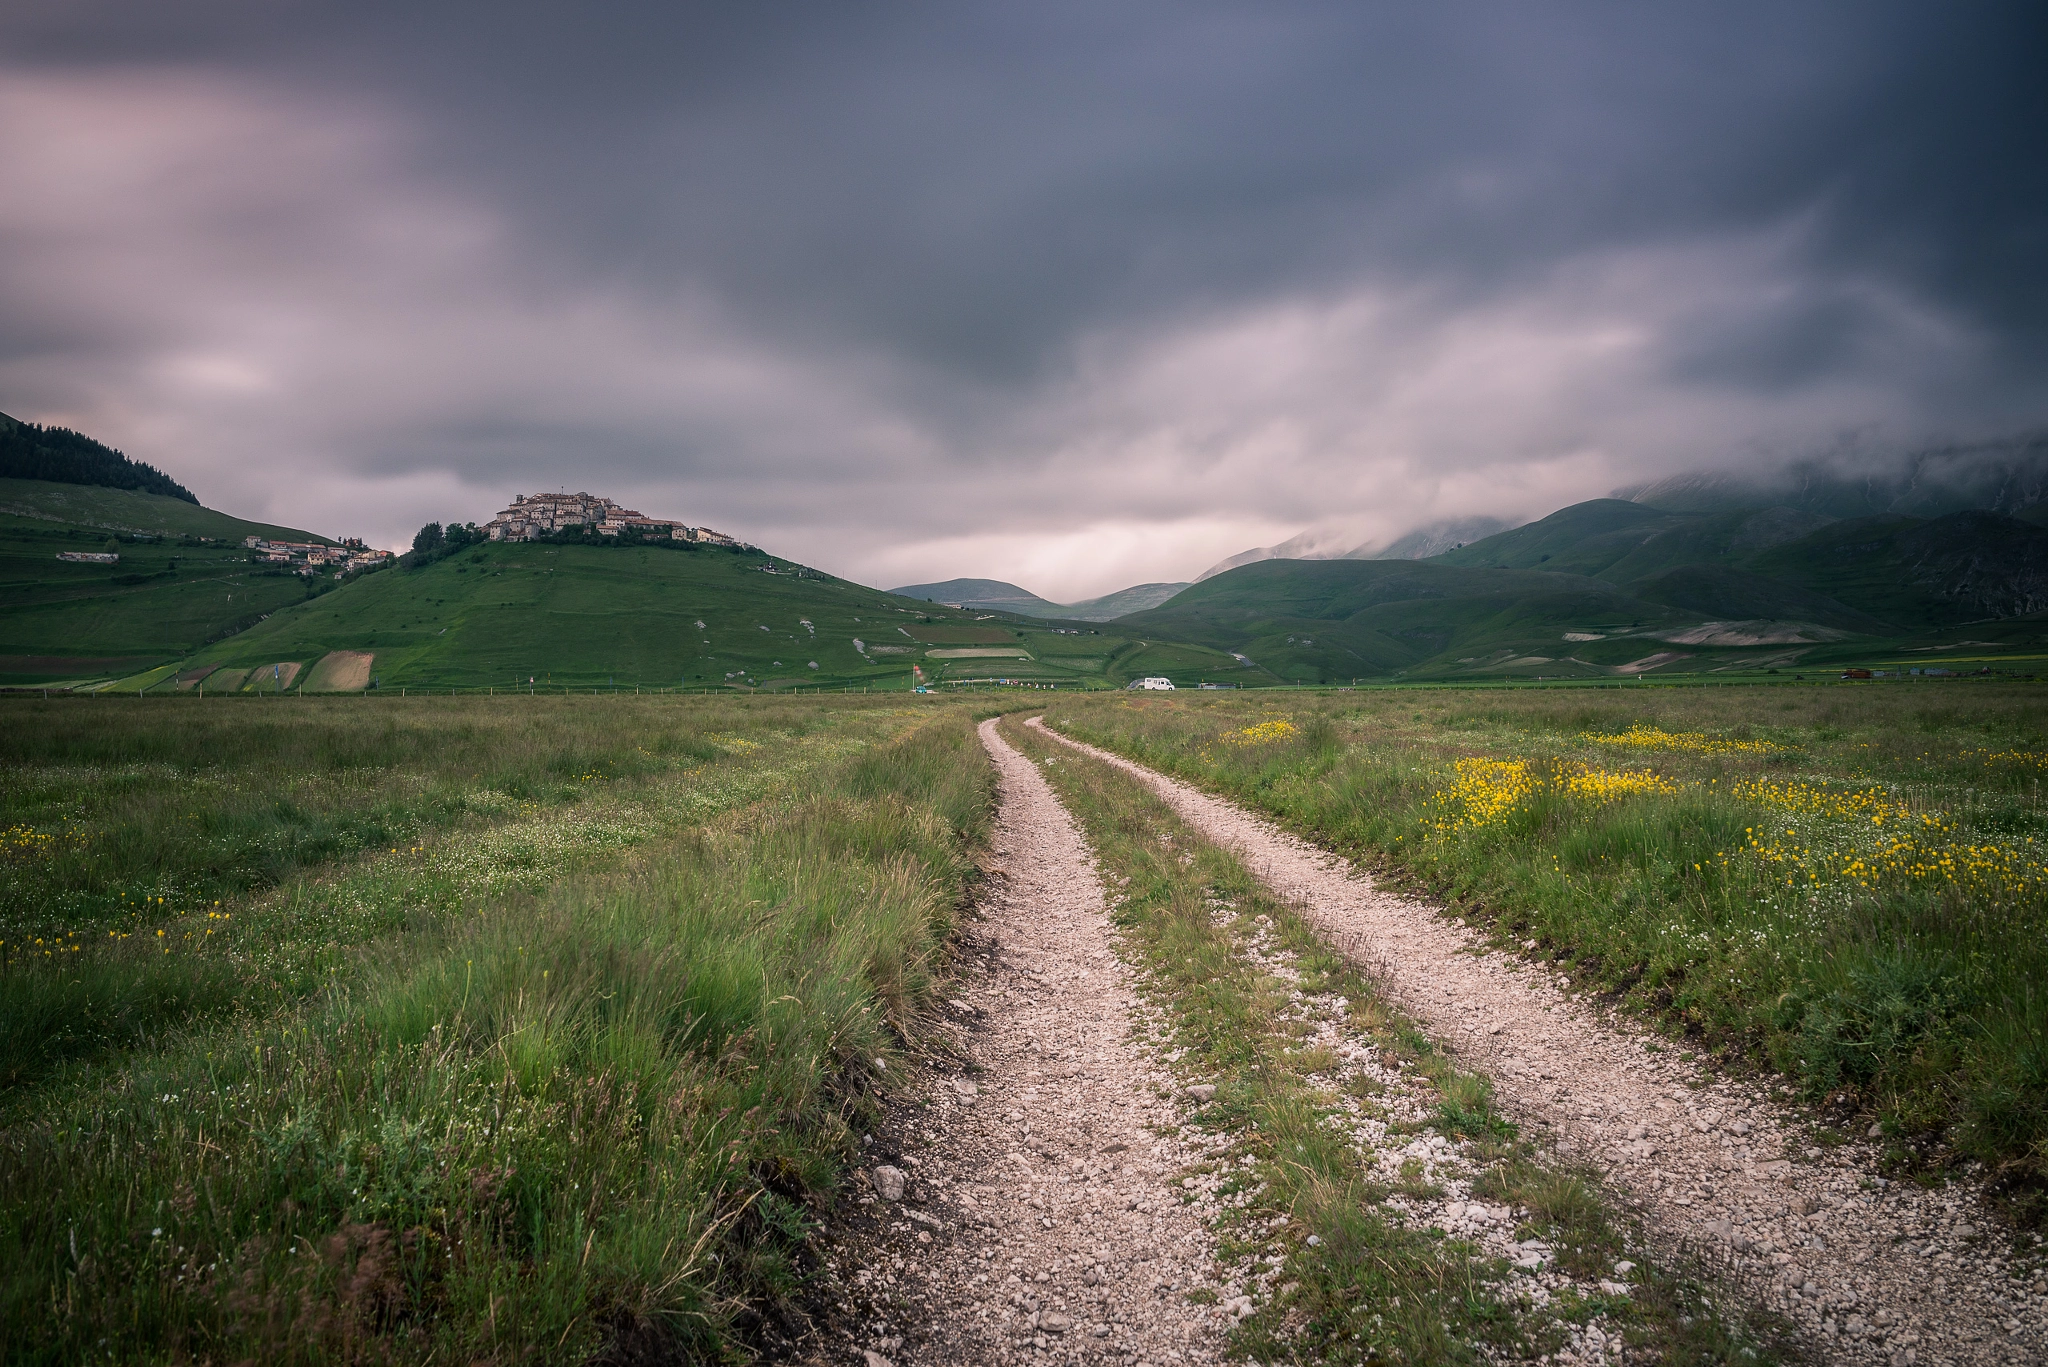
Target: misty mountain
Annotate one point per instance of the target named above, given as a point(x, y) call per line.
point(1419, 544)
point(2002, 476)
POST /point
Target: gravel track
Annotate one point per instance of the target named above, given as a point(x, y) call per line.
point(1871, 1270)
point(1040, 1219)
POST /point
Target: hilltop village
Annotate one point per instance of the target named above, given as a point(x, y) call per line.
point(533, 516)
point(310, 556)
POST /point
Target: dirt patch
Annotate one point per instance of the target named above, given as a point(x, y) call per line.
point(1870, 1269)
point(341, 671)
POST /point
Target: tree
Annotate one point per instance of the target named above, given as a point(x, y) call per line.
point(428, 539)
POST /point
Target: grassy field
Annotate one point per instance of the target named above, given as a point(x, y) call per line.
point(464, 1028)
point(183, 579)
point(1849, 885)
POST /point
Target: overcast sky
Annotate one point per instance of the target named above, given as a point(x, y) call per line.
point(1071, 294)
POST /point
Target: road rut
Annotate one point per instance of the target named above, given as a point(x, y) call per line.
point(1873, 1271)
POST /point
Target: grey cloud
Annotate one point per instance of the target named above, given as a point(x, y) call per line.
point(1185, 278)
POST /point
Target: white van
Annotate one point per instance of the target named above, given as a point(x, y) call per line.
point(1155, 682)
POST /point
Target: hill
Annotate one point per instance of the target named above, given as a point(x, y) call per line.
point(59, 455)
point(981, 593)
point(993, 595)
point(1111, 606)
point(183, 579)
point(498, 614)
point(1328, 621)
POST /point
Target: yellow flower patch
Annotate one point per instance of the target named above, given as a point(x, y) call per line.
point(1643, 737)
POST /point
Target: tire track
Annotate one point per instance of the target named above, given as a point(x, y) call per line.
point(1042, 1219)
point(1873, 1271)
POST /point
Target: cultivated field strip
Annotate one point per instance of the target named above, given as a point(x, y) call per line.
point(1872, 1271)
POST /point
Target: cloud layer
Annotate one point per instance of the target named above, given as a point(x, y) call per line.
point(1071, 295)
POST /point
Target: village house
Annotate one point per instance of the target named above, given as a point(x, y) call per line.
point(351, 554)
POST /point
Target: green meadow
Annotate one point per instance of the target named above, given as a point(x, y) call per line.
point(1846, 886)
point(183, 580)
point(351, 1029)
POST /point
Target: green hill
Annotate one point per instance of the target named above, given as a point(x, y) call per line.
point(183, 579)
point(28, 451)
point(1326, 621)
point(986, 594)
point(994, 595)
point(581, 615)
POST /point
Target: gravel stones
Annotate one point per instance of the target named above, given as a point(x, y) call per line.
point(1695, 1151)
point(889, 1182)
point(1061, 1233)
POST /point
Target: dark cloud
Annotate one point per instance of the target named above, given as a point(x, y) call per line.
point(1090, 293)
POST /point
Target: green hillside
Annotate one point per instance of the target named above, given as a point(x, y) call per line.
point(30, 451)
point(500, 614)
point(183, 579)
point(1327, 621)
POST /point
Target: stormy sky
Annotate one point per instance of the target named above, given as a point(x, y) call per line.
point(1072, 294)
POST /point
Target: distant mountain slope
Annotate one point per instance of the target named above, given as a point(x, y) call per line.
point(57, 454)
point(1922, 573)
point(993, 595)
point(1867, 575)
point(1583, 539)
point(2001, 476)
point(1329, 620)
point(1111, 606)
point(982, 593)
point(1418, 544)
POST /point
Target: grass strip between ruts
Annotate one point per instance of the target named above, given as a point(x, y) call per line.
point(1242, 977)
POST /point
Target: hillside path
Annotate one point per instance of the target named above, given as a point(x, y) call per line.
point(1040, 1219)
point(1871, 1271)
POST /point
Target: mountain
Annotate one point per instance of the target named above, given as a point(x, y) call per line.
point(993, 595)
point(183, 579)
point(2002, 476)
point(1619, 587)
point(987, 594)
point(1111, 606)
point(1329, 621)
point(1418, 544)
point(61, 456)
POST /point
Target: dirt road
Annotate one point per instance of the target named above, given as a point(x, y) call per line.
point(1873, 1270)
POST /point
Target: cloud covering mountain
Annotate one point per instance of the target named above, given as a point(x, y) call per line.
point(1074, 295)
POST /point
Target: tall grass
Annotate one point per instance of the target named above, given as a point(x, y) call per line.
point(114, 803)
point(594, 1123)
point(166, 964)
point(1845, 885)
